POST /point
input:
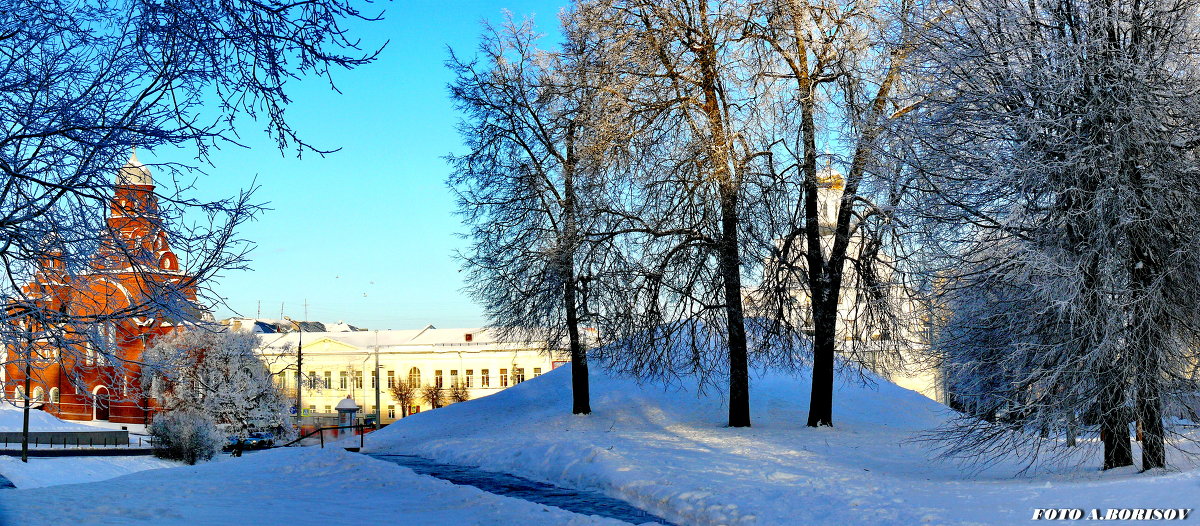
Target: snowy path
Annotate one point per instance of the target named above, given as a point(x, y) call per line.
point(292, 486)
point(584, 502)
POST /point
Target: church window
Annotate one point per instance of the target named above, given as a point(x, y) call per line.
point(54, 395)
point(38, 393)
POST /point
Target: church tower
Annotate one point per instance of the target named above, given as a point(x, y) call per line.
point(132, 293)
point(135, 238)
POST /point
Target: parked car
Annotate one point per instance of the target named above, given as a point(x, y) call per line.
point(256, 440)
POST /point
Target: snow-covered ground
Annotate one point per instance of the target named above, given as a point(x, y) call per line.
point(294, 486)
point(664, 450)
point(11, 419)
point(668, 451)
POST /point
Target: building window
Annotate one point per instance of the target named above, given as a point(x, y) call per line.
point(437, 378)
point(312, 379)
point(414, 377)
point(467, 378)
point(328, 409)
point(358, 380)
point(391, 411)
point(484, 379)
point(328, 379)
point(342, 379)
point(38, 393)
point(518, 375)
point(312, 409)
point(453, 377)
point(537, 371)
point(54, 396)
point(503, 377)
point(391, 379)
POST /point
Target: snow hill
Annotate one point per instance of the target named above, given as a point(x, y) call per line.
point(11, 417)
point(668, 451)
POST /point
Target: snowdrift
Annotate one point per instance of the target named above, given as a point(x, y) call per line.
point(10, 420)
point(667, 450)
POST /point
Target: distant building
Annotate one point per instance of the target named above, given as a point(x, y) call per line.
point(340, 364)
point(134, 257)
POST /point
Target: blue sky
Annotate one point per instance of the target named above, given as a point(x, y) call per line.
point(367, 234)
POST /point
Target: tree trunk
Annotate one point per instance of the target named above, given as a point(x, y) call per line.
point(1114, 427)
point(1149, 410)
point(580, 396)
point(739, 371)
point(820, 404)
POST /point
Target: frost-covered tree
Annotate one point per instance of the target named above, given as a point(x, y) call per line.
point(215, 373)
point(1067, 131)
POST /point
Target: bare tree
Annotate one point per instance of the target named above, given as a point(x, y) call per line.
point(433, 395)
point(459, 393)
point(1067, 130)
point(404, 394)
point(737, 98)
point(536, 132)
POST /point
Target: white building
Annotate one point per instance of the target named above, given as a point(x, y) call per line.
point(366, 364)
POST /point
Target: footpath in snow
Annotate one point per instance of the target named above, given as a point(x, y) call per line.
point(293, 486)
point(668, 451)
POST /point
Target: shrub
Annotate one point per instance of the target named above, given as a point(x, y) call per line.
point(185, 435)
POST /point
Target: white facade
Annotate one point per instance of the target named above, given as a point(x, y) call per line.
point(340, 364)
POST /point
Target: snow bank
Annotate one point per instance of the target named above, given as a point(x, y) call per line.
point(10, 420)
point(53, 471)
point(286, 486)
point(667, 451)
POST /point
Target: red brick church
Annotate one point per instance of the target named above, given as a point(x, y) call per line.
point(91, 373)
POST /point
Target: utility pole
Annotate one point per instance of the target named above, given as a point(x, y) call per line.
point(378, 414)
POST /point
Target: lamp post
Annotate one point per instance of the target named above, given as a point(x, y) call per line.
point(378, 414)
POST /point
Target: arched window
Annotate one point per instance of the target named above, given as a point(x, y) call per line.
point(19, 394)
point(414, 377)
point(54, 395)
point(38, 393)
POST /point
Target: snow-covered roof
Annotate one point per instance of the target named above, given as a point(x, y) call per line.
point(134, 173)
point(347, 403)
point(427, 337)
